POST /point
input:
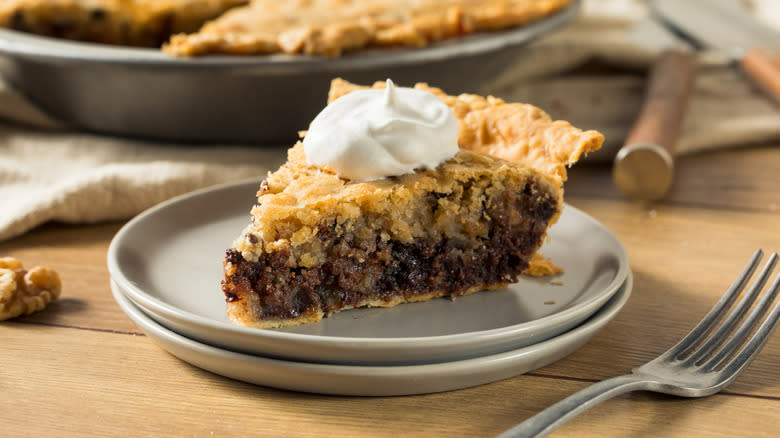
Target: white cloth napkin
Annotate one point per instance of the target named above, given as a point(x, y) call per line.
point(50, 173)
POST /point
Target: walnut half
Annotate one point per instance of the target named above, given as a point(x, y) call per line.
point(23, 292)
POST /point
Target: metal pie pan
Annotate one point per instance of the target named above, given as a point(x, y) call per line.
point(145, 93)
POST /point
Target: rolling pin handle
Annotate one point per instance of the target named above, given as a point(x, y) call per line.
point(644, 166)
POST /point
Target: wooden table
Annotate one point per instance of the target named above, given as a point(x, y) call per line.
point(81, 368)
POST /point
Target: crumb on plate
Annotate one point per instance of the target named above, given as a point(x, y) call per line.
point(541, 267)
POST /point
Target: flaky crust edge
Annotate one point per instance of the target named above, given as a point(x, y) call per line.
point(515, 132)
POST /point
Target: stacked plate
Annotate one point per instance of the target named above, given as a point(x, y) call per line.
point(166, 268)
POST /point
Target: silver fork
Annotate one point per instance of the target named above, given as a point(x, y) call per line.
point(698, 366)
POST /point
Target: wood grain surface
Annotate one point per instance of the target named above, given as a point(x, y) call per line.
point(81, 368)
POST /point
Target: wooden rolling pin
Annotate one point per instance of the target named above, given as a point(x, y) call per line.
point(644, 166)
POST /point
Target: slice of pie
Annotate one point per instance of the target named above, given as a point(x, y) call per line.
point(332, 27)
point(318, 243)
point(146, 23)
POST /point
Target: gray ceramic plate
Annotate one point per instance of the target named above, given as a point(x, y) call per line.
point(168, 260)
point(254, 99)
point(375, 380)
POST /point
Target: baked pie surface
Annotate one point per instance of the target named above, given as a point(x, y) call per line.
point(318, 243)
point(319, 27)
point(331, 27)
point(146, 23)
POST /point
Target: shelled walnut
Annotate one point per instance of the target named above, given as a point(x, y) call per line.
point(23, 292)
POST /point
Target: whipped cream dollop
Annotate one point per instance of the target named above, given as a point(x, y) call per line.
point(376, 133)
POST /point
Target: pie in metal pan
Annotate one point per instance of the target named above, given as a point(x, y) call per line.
point(260, 99)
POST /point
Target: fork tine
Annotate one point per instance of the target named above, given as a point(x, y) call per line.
point(722, 333)
point(747, 327)
point(708, 322)
point(738, 364)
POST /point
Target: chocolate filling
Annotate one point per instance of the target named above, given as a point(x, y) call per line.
point(392, 268)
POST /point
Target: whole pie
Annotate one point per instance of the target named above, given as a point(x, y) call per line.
point(318, 243)
point(320, 27)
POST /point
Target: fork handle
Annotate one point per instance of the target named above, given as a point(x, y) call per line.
point(549, 419)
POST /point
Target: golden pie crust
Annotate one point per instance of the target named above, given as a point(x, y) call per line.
point(516, 132)
point(332, 27)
